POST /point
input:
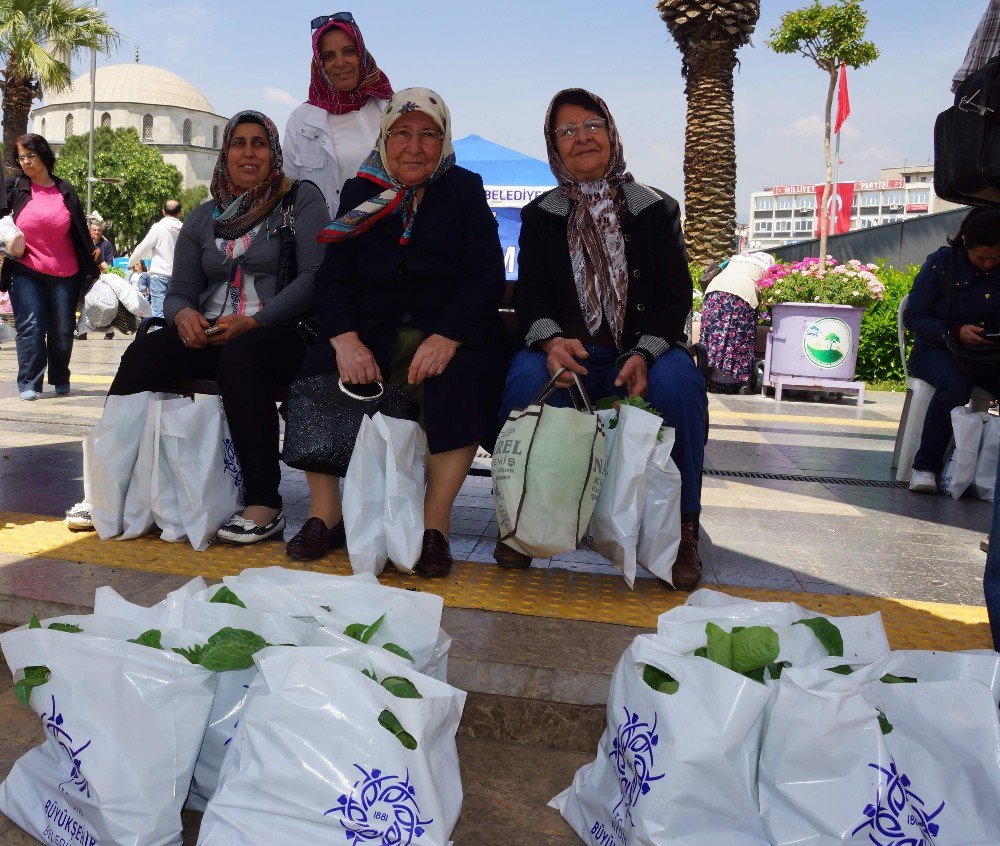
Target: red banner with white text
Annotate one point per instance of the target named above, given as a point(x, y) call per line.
point(841, 200)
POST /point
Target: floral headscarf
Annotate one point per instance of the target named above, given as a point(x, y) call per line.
point(596, 242)
point(236, 211)
point(397, 198)
point(373, 83)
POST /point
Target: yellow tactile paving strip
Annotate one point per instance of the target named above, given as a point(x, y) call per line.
point(784, 419)
point(552, 593)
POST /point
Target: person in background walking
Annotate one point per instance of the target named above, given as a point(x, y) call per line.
point(105, 248)
point(331, 134)
point(159, 243)
point(729, 321)
point(45, 283)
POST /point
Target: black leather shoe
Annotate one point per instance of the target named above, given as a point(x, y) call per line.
point(509, 558)
point(435, 557)
point(314, 540)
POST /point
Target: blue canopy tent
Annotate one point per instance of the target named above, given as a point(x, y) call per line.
point(511, 179)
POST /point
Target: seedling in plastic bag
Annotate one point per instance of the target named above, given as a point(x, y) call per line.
point(364, 633)
point(883, 722)
point(33, 677)
point(224, 594)
point(659, 680)
point(228, 649)
point(404, 689)
point(827, 633)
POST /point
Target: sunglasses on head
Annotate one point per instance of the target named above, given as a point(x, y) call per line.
point(336, 17)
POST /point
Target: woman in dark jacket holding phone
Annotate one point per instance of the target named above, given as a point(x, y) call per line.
point(46, 281)
point(971, 262)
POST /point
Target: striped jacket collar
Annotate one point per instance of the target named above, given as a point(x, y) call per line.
point(638, 198)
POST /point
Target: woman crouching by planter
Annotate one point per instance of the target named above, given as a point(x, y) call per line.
point(954, 313)
point(729, 321)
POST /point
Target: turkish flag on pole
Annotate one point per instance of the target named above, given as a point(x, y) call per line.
point(841, 200)
point(843, 100)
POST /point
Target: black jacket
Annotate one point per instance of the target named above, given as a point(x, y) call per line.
point(18, 193)
point(976, 298)
point(660, 287)
point(449, 279)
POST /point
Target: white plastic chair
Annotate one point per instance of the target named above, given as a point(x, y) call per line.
point(918, 397)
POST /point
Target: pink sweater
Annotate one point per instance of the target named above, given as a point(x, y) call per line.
point(45, 223)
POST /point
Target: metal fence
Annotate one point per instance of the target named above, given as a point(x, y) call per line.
point(900, 244)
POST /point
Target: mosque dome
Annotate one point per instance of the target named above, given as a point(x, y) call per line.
point(133, 83)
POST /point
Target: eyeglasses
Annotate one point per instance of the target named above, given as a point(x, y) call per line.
point(426, 137)
point(30, 157)
point(336, 17)
point(569, 130)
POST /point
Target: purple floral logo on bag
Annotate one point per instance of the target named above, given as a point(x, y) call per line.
point(632, 755)
point(895, 804)
point(231, 464)
point(381, 809)
point(54, 725)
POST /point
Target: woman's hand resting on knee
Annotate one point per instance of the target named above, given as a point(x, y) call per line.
point(355, 362)
point(191, 326)
point(431, 358)
point(634, 375)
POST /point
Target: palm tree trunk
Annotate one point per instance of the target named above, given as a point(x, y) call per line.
point(18, 92)
point(709, 151)
point(824, 223)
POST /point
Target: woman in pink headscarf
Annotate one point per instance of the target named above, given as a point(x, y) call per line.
point(331, 134)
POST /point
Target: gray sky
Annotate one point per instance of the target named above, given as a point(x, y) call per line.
point(498, 64)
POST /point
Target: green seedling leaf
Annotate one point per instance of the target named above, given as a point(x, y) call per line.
point(224, 594)
point(701, 652)
point(355, 630)
point(659, 680)
point(33, 677)
point(753, 648)
point(33, 623)
point(757, 675)
point(389, 722)
point(827, 633)
point(842, 669)
point(403, 688)
point(65, 627)
point(150, 638)
point(774, 670)
point(606, 403)
point(737, 629)
point(883, 722)
point(396, 649)
point(193, 654)
point(225, 657)
point(243, 637)
point(889, 678)
point(370, 632)
point(370, 674)
point(720, 646)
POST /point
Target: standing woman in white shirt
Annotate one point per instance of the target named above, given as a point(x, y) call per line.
point(331, 134)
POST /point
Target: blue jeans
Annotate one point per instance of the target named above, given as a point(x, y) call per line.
point(676, 390)
point(157, 291)
point(45, 316)
point(953, 388)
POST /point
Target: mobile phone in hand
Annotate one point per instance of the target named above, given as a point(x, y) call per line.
point(214, 330)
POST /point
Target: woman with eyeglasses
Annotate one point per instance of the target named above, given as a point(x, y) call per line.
point(58, 262)
point(603, 290)
point(330, 135)
point(408, 293)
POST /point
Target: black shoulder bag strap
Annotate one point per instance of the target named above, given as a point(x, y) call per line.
point(288, 263)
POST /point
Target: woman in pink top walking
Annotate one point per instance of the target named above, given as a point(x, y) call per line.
point(58, 263)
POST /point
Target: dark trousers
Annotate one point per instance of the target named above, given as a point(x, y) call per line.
point(952, 388)
point(246, 369)
point(44, 315)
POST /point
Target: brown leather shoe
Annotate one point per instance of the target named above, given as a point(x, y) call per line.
point(314, 540)
point(510, 558)
point(686, 572)
point(435, 557)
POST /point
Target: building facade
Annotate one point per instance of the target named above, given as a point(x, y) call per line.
point(787, 214)
point(167, 111)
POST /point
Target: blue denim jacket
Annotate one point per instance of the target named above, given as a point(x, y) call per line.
point(976, 301)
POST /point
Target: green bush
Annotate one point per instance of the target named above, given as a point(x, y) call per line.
point(878, 345)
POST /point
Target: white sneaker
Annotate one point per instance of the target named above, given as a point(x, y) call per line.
point(78, 518)
point(923, 481)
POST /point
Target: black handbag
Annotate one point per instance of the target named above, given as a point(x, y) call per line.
point(288, 263)
point(323, 417)
point(967, 141)
point(969, 359)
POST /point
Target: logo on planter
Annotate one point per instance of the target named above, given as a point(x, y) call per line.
point(827, 342)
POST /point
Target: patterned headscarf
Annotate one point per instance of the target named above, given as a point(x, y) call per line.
point(397, 198)
point(373, 83)
point(593, 229)
point(237, 211)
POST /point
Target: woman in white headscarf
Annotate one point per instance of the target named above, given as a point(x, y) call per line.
point(408, 293)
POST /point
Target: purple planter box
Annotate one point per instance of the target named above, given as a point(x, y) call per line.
point(813, 345)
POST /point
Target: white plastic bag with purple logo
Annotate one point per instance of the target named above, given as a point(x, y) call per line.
point(199, 450)
point(854, 759)
point(327, 754)
point(677, 768)
point(630, 436)
point(123, 724)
